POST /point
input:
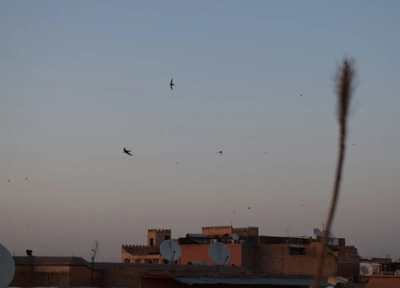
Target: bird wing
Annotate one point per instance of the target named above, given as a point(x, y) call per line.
point(171, 81)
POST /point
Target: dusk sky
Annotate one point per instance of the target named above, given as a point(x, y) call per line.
point(81, 80)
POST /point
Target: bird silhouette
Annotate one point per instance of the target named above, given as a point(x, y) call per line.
point(171, 84)
point(9, 180)
point(127, 152)
point(220, 152)
point(248, 208)
point(26, 178)
point(301, 95)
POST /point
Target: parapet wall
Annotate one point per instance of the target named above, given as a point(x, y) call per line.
point(160, 230)
point(216, 230)
point(246, 231)
point(138, 249)
point(222, 230)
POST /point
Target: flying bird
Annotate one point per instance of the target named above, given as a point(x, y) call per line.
point(171, 84)
point(301, 95)
point(220, 152)
point(26, 178)
point(127, 152)
point(9, 180)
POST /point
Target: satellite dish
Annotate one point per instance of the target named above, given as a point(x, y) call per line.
point(219, 253)
point(366, 269)
point(170, 250)
point(317, 232)
point(7, 267)
point(235, 236)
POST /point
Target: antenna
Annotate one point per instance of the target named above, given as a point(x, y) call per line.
point(93, 252)
point(235, 236)
point(219, 253)
point(170, 250)
point(7, 267)
point(317, 232)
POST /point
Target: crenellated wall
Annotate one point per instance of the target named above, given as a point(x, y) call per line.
point(217, 230)
point(246, 231)
point(222, 230)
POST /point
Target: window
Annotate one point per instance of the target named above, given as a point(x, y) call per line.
point(167, 237)
point(127, 260)
point(151, 242)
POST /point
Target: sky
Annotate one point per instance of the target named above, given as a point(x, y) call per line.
point(81, 80)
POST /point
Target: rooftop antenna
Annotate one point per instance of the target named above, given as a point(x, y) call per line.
point(93, 252)
point(7, 267)
point(219, 253)
point(170, 250)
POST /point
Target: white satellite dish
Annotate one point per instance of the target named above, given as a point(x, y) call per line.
point(170, 250)
point(317, 232)
point(219, 253)
point(235, 236)
point(7, 267)
point(366, 269)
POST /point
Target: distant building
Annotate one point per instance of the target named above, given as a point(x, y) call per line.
point(268, 255)
point(76, 272)
point(149, 253)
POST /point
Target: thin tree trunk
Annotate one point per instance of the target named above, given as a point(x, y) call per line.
point(344, 89)
point(332, 209)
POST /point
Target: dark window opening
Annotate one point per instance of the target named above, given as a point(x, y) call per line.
point(151, 242)
point(167, 237)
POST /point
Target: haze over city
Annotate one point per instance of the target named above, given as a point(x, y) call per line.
point(81, 80)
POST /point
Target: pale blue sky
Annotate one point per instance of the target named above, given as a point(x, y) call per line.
point(80, 80)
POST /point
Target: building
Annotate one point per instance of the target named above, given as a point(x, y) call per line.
point(267, 255)
point(32, 271)
point(149, 253)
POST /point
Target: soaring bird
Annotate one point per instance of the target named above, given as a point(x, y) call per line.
point(171, 84)
point(127, 152)
point(220, 152)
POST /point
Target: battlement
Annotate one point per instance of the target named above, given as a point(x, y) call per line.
point(134, 246)
point(216, 227)
point(246, 228)
point(160, 230)
point(138, 249)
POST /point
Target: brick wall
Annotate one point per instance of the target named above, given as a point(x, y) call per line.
point(158, 236)
point(274, 260)
point(217, 230)
point(121, 277)
point(28, 275)
point(251, 257)
point(347, 269)
point(246, 231)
